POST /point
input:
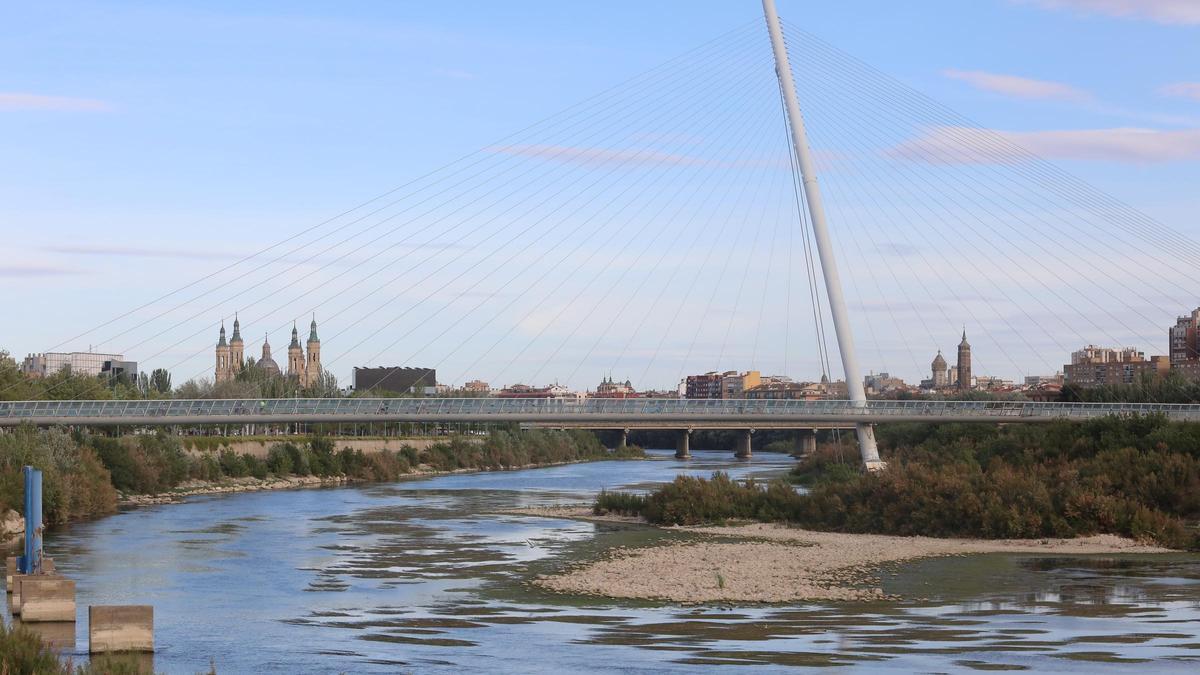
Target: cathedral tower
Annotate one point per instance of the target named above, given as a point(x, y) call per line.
point(964, 363)
point(295, 367)
point(237, 354)
point(313, 367)
point(223, 371)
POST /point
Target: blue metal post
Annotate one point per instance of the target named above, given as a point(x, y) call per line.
point(31, 562)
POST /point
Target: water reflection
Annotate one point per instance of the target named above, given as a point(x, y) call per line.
point(424, 575)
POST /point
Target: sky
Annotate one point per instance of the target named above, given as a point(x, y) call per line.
point(147, 146)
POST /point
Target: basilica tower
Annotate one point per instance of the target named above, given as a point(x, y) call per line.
point(313, 368)
point(295, 367)
point(223, 371)
point(237, 353)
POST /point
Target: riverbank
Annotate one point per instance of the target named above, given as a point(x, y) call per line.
point(771, 563)
point(88, 476)
point(194, 488)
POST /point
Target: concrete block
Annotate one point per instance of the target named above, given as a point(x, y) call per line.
point(58, 635)
point(11, 564)
point(120, 628)
point(47, 598)
point(14, 600)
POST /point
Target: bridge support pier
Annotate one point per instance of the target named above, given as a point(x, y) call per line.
point(683, 448)
point(741, 449)
point(806, 442)
point(623, 439)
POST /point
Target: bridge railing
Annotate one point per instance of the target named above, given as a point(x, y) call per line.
point(366, 408)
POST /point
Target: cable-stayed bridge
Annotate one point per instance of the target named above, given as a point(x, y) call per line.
point(676, 222)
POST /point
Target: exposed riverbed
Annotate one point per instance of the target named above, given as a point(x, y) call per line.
point(425, 576)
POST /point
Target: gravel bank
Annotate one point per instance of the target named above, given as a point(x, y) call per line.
point(772, 563)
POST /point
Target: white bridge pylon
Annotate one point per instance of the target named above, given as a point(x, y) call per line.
point(812, 196)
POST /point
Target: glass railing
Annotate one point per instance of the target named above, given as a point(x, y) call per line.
point(184, 410)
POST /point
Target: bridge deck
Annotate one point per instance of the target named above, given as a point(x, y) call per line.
point(587, 413)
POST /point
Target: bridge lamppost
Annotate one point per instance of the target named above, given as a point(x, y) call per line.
point(812, 195)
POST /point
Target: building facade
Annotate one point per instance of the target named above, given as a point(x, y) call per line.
point(734, 384)
point(422, 381)
point(80, 363)
point(1184, 338)
point(1095, 366)
point(707, 385)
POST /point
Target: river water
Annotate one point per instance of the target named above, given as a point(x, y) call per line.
point(425, 576)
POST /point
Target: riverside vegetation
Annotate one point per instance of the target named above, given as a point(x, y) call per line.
point(83, 473)
point(1136, 477)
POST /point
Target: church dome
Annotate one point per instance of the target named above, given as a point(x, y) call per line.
point(939, 363)
point(266, 363)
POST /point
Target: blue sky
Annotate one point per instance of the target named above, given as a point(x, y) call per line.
point(146, 144)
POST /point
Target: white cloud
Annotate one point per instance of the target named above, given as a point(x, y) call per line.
point(22, 101)
point(965, 145)
point(1184, 89)
point(1018, 87)
point(28, 271)
point(1186, 12)
point(578, 155)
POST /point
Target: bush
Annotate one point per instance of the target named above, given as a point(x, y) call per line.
point(23, 652)
point(1136, 477)
point(231, 464)
point(279, 460)
point(620, 503)
point(75, 483)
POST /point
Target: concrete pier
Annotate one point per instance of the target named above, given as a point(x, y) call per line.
point(11, 570)
point(683, 449)
point(806, 443)
point(120, 628)
point(47, 598)
point(623, 439)
point(57, 635)
point(742, 449)
point(14, 597)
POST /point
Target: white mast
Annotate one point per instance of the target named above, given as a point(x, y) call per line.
point(812, 194)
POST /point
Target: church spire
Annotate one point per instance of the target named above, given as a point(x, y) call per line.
point(295, 338)
point(312, 330)
point(221, 342)
point(237, 329)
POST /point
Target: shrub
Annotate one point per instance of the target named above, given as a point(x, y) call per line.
point(620, 503)
point(279, 460)
point(1137, 477)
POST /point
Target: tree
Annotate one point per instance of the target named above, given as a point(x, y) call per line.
point(14, 386)
point(160, 380)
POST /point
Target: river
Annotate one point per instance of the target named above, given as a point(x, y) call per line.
point(425, 576)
